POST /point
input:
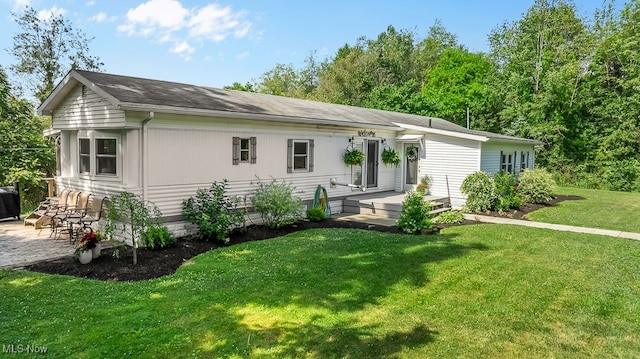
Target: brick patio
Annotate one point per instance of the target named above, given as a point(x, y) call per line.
point(22, 245)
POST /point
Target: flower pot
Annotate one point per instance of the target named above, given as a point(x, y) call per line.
point(95, 251)
point(85, 256)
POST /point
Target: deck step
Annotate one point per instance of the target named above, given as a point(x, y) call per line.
point(439, 210)
point(388, 205)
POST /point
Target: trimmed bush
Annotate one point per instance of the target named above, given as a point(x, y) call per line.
point(451, 217)
point(480, 190)
point(536, 185)
point(276, 204)
point(316, 214)
point(157, 237)
point(507, 195)
point(415, 214)
point(215, 213)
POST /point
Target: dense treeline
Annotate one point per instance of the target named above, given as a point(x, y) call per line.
point(569, 81)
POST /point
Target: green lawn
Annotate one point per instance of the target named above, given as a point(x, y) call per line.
point(599, 209)
point(474, 291)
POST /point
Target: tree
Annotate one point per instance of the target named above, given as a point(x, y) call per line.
point(247, 87)
point(26, 155)
point(129, 216)
point(46, 49)
point(541, 61)
point(456, 82)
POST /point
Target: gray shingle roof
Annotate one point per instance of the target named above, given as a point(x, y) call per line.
point(148, 93)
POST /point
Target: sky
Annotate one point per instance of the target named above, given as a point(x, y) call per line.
point(217, 43)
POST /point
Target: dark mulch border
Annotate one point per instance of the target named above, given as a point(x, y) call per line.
point(158, 263)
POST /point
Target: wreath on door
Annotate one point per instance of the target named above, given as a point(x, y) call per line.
point(412, 153)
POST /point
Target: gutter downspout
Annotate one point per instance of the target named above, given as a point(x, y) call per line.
point(144, 157)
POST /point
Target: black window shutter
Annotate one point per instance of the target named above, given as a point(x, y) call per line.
point(254, 156)
point(311, 145)
point(515, 156)
point(289, 156)
point(501, 160)
point(236, 150)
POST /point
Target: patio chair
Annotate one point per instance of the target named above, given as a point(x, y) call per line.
point(92, 214)
point(74, 214)
point(63, 208)
point(48, 208)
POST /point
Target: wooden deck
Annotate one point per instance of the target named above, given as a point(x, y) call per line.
point(387, 204)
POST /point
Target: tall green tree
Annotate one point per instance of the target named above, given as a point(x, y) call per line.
point(541, 61)
point(26, 155)
point(457, 82)
point(46, 48)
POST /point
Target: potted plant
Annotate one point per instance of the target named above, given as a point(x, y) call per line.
point(353, 157)
point(391, 157)
point(423, 186)
point(89, 243)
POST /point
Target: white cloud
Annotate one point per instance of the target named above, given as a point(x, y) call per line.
point(183, 47)
point(155, 15)
point(49, 13)
point(102, 17)
point(19, 5)
point(242, 55)
point(170, 21)
point(91, 3)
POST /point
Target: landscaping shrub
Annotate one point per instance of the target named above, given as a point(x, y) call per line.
point(622, 175)
point(536, 185)
point(507, 195)
point(451, 217)
point(157, 237)
point(415, 214)
point(480, 190)
point(276, 204)
point(316, 214)
point(215, 213)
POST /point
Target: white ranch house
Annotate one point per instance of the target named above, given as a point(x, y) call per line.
point(163, 140)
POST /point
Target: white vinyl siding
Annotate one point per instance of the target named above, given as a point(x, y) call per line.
point(449, 158)
point(181, 160)
point(89, 111)
point(492, 156)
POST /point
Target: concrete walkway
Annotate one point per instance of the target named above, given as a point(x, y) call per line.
point(22, 245)
point(557, 227)
point(382, 221)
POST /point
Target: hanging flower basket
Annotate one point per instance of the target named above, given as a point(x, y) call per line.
point(353, 157)
point(391, 157)
point(412, 153)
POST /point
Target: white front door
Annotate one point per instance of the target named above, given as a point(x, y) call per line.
point(411, 160)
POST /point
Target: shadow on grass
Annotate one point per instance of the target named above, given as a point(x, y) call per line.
point(263, 309)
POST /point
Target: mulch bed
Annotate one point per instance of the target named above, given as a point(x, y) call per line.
point(161, 262)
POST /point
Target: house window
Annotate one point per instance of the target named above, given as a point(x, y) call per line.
point(506, 162)
point(98, 156)
point(84, 155)
point(300, 156)
point(106, 156)
point(244, 150)
point(524, 160)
